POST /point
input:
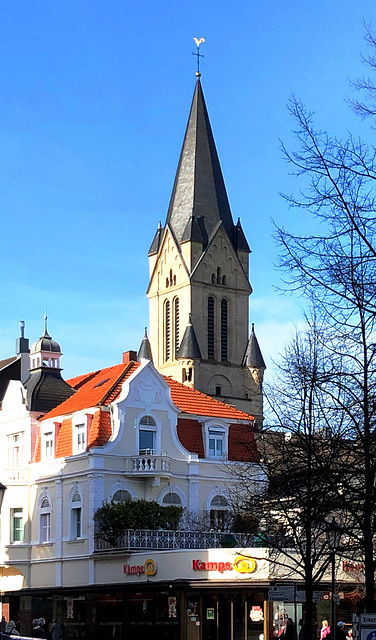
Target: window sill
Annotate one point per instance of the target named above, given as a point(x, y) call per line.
point(45, 544)
point(76, 540)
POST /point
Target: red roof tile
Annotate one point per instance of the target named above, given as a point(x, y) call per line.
point(241, 443)
point(190, 435)
point(100, 430)
point(196, 403)
point(64, 445)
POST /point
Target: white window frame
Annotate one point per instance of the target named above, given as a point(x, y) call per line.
point(13, 528)
point(76, 515)
point(155, 429)
point(45, 519)
point(218, 431)
point(15, 450)
point(48, 443)
point(79, 435)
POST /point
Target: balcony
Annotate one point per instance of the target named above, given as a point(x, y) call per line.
point(144, 539)
point(16, 474)
point(148, 464)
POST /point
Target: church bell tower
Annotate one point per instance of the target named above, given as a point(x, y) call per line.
point(199, 280)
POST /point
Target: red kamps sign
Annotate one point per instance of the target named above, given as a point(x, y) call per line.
point(136, 569)
point(200, 565)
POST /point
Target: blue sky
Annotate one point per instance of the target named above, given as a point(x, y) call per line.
point(94, 101)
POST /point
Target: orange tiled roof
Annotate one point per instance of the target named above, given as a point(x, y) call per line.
point(190, 435)
point(93, 390)
point(196, 403)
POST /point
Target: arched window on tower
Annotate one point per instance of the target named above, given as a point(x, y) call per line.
point(176, 325)
point(211, 328)
point(224, 329)
point(167, 330)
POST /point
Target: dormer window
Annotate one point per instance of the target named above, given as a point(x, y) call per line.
point(216, 441)
point(47, 445)
point(79, 438)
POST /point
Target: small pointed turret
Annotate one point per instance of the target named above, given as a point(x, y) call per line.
point(189, 348)
point(144, 352)
point(156, 243)
point(253, 356)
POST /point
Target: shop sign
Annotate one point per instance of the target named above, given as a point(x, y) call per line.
point(282, 593)
point(149, 568)
point(256, 614)
point(241, 565)
point(210, 613)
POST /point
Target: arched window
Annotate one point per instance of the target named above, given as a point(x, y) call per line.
point(211, 328)
point(76, 516)
point(224, 329)
point(219, 277)
point(121, 495)
point(167, 330)
point(219, 513)
point(45, 520)
point(171, 498)
point(176, 325)
point(147, 435)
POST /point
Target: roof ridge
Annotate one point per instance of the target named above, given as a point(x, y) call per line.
point(121, 376)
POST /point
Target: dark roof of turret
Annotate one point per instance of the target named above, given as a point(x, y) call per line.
point(189, 347)
point(154, 247)
point(46, 343)
point(253, 356)
point(46, 389)
point(145, 349)
point(199, 188)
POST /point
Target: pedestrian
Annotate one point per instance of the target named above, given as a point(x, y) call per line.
point(325, 630)
point(56, 631)
point(10, 629)
point(340, 631)
point(3, 624)
point(37, 631)
point(42, 624)
point(288, 633)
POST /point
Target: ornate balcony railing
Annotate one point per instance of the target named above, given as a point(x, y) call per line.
point(16, 474)
point(148, 464)
point(143, 539)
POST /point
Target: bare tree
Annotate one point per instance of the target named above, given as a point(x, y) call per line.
point(336, 268)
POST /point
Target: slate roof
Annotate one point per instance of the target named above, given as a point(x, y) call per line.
point(199, 199)
point(253, 356)
point(189, 347)
point(45, 388)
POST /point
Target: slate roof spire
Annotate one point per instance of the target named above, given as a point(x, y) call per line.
point(189, 347)
point(253, 356)
point(144, 351)
point(199, 189)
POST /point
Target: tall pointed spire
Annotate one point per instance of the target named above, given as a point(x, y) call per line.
point(199, 188)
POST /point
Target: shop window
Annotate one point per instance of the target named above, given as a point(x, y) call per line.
point(76, 516)
point(45, 520)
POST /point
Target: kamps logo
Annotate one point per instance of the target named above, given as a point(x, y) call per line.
point(245, 565)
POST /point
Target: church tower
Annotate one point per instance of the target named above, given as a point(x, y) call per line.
point(199, 286)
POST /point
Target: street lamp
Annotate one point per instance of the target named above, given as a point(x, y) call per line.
point(2, 491)
point(333, 536)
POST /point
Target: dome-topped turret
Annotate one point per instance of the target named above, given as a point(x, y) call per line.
point(46, 343)
point(45, 351)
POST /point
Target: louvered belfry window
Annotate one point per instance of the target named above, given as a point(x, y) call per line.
point(176, 326)
point(211, 328)
point(224, 329)
point(167, 324)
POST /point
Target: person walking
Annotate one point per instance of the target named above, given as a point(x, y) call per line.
point(56, 631)
point(10, 629)
point(37, 631)
point(325, 630)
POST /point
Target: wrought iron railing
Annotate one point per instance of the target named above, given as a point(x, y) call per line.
point(143, 539)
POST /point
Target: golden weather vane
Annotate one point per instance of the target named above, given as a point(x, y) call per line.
point(198, 54)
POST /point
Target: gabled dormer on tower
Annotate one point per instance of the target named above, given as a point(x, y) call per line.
point(199, 270)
